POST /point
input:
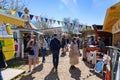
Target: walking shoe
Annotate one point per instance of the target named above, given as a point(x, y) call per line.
point(55, 70)
point(29, 71)
point(72, 67)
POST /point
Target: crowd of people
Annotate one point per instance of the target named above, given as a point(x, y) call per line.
point(34, 47)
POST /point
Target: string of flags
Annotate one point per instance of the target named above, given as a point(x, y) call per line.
point(43, 19)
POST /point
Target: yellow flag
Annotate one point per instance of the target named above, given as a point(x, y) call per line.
point(13, 12)
point(62, 22)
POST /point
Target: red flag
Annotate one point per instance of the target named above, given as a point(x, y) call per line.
point(36, 17)
point(0, 7)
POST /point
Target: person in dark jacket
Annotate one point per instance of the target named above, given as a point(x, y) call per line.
point(55, 48)
point(2, 61)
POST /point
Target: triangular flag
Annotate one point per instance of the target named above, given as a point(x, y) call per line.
point(12, 12)
point(4, 9)
point(65, 23)
point(41, 18)
point(46, 19)
point(71, 24)
point(62, 22)
point(20, 14)
point(36, 17)
point(58, 22)
point(31, 16)
point(54, 21)
point(50, 21)
point(0, 7)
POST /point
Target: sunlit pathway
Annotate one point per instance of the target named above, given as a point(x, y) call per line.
point(45, 71)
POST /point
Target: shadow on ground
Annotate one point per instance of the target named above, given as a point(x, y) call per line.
point(52, 75)
point(91, 67)
point(29, 76)
point(100, 75)
point(63, 54)
point(16, 63)
point(75, 73)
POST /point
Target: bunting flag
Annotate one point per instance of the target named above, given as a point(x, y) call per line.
point(71, 24)
point(36, 17)
point(31, 16)
point(54, 21)
point(62, 22)
point(46, 19)
point(0, 7)
point(20, 14)
point(65, 23)
point(41, 18)
point(58, 22)
point(74, 24)
point(12, 12)
point(4, 9)
point(50, 21)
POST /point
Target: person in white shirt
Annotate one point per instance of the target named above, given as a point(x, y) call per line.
point(44, 47)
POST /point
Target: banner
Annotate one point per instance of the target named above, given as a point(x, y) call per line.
point(12, 12)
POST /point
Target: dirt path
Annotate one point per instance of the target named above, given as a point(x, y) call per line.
point(45, 71)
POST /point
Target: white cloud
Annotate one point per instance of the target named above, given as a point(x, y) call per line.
point(61, 7)
point(67, 2)
point(71, 5)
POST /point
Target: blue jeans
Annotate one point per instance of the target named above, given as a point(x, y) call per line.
point(55, 58)
point(43, 54)
point(1, 78)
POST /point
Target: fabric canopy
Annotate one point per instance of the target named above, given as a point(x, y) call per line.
point(112, 16)
point(5, 18)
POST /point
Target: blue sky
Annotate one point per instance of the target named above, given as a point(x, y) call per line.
point(87, 11)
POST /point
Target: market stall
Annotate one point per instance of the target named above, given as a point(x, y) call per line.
point(112, 21)
point(112, 25)
point(6, 35)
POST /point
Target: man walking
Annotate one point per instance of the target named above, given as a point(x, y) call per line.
point(55, 48)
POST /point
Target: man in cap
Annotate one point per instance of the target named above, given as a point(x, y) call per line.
point(55, 48)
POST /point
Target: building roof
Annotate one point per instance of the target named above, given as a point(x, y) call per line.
point(6, 18)
point(112, 16)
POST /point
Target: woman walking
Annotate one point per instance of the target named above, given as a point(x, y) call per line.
point(31, 54)
point(74, 53)
point(44, 47)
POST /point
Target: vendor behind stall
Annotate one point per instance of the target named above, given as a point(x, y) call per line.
point(101, 44)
